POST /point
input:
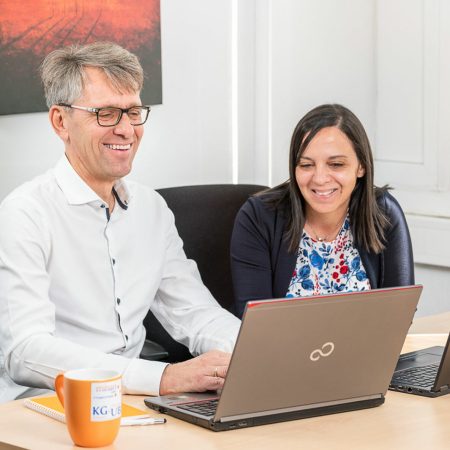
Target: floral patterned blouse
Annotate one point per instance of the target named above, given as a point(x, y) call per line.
point(328, 267)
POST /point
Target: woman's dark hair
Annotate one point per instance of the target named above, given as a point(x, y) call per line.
point(368, 223)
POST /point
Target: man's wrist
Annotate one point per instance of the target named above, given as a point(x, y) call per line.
point(163, 383)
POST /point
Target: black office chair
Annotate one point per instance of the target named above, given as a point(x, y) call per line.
point(204, 216)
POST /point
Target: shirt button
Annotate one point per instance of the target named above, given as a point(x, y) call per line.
point(126, 337)
point(102, 206)
point(113, 261)
point(118, 301)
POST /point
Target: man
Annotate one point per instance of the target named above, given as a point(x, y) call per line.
point(84, 254)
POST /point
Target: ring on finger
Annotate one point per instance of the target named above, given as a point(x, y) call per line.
point(216, 372)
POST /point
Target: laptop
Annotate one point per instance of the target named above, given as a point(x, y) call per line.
point(424, 372)
point(304, 357)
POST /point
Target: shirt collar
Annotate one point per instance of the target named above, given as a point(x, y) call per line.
point(77, 192)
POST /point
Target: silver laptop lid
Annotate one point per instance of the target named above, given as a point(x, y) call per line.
point(297, 352)
point(443, 377)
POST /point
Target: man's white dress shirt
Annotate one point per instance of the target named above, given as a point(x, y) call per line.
point(76, 283)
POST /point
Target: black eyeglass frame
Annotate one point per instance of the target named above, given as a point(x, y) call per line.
point(96, 111)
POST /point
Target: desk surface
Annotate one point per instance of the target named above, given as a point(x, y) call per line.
point(439, 323)
point(403, 422)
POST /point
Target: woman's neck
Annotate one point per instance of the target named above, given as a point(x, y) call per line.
point(324, 227)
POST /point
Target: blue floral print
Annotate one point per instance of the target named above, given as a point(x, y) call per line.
point(327, 267)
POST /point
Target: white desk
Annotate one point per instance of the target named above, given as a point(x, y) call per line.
point(439, 323)
point(403, 422)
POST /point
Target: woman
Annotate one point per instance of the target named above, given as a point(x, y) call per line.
point(327, 229)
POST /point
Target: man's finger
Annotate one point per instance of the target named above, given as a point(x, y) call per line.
point(218, 371)
point(222, 371)
point(215, 383)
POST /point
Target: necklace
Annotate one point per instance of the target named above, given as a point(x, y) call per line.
point(325, 238)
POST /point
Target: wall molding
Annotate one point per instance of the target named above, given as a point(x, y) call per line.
point(431, 239)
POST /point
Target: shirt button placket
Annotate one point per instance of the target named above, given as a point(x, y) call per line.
point(116, 286)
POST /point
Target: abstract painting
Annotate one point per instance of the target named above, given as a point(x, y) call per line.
point(30, 29)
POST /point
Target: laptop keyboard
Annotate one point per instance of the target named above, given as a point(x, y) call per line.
point(206, 408)
point(417, 376)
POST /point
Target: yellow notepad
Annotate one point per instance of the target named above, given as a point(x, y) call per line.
point(51, 406)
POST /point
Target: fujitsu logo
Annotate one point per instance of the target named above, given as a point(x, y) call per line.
point(326, 350)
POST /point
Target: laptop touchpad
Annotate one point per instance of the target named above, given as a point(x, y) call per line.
point(420, 359)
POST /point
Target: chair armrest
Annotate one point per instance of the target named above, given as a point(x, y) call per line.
point(153, 351)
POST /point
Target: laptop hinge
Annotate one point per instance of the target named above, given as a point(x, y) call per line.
point(444, 388)
point(298, 408)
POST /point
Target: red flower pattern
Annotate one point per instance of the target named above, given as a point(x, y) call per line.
point(336, 273)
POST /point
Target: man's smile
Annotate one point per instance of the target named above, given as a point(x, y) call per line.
point(119, 147)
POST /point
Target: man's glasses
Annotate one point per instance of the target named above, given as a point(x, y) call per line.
point(110, 116)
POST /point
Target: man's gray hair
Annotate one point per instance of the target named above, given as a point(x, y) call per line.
point(63, 74)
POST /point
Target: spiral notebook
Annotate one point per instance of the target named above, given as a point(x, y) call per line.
point(51, 406)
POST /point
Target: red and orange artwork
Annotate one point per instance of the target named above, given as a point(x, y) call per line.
point(30, 29)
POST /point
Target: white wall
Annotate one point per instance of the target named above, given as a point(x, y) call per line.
point(188, 140)
point(239, 74)
point(315, 52)
point(412, 132)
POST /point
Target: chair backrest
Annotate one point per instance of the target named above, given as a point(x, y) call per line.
point(204, 216)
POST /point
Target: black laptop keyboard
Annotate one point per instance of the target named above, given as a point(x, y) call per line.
point(206, 408)
point(424, 376)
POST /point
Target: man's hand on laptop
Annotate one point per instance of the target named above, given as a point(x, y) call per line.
point(203, 373)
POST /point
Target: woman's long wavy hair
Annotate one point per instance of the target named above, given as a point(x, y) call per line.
point(368, 223)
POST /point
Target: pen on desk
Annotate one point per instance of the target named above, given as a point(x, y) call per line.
point(145, 421)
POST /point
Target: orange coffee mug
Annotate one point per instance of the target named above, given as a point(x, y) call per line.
point(92, 400)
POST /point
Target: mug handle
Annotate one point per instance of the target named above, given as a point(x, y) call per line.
point(59, 387)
